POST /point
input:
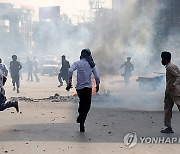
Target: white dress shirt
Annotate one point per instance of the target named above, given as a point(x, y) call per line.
point(84, 72)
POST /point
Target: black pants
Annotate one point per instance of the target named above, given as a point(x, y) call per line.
point(15, 80)
point(6, 105)
point(30, 75)
point(63, 76)
point(84, 103)
point(3, 104)
point(35, 72)
point(4, 80)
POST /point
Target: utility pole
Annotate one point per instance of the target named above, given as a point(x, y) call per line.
point(95, 6)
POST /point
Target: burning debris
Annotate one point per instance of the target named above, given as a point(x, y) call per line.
point(55, 98)
point(105, 97)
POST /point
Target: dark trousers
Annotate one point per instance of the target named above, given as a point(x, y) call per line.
point(30, 76)
point(84, 103)
point(168, 106)
point(15, 80)
point(64, 77)
point(35, 74)
point(4, 106)
point(4, 80)
point(126, 80)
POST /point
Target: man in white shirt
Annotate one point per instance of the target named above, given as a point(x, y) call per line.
point(85, 67)
point(36, 68)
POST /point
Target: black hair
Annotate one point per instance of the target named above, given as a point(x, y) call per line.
point(85, 52)
point(128, 58)
point(0, 60)
point(166, 55)
point(14, 57)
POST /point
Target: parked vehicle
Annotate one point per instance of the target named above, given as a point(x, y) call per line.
point(50, 65)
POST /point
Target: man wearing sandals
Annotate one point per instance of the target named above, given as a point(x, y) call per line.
point(172, 92)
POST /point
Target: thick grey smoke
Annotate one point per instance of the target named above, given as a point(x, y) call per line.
point(126, 32)
point(130, 97)
point(112, 36)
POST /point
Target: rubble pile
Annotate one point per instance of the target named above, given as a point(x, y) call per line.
point(98, 97)
point(55, 98)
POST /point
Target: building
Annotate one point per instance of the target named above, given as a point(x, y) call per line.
point(16, 29)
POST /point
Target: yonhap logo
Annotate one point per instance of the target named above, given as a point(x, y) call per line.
point(130, 139)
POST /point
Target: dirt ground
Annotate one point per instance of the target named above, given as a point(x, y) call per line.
point(50, 127)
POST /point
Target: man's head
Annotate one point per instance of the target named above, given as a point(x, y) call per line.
point(0, 60)
point(128, 58)
point(85, 53)
point(14, 57)
point(63, 57)
point(166, 57)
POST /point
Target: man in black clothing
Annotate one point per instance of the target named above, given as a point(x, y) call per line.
point(15, 67)
point(128, 68)
point(4, 71)
point(63, 71)
point(3, 104)
point(3, 68)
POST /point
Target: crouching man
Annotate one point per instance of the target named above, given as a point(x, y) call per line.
point(172, 92)
point(85, 67)
point(3, 104)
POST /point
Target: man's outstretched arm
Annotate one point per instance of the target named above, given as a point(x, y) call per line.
point(97, 78)
point(70, 74)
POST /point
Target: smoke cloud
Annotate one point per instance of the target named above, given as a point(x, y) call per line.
point(112, 36)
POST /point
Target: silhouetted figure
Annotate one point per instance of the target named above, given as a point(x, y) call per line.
point(4, 71)
point(29, 65)
point(15, 67)
point(36, 68)
point(128, 68)
point(63, 74)
point(3, 104)
point(85, 67)
point(3, 68)
point(172, 92)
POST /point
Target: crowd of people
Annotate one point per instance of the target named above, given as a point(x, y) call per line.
point(85, 68)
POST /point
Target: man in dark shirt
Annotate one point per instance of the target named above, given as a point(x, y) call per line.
point(15, 67)
point(4, 71)
point(4, 104)
point(63, 71)
point(3, 68)
point(128, 68)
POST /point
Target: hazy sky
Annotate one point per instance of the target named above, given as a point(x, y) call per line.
point(70, 7)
